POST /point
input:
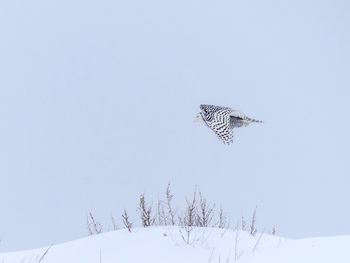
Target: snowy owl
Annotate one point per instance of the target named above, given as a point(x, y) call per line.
point(222, 120)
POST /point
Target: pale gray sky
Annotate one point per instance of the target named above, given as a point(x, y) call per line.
point(97, 100)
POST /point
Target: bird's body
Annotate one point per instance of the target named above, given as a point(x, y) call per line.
point(222, 120)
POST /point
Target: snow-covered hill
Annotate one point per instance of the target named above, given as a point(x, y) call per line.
point(169, 245)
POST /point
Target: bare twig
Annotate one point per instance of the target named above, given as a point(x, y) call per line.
point(257, 242)
point(236, 244)
point(188, 221)
point(161, 213)
point(171, 212)
point(114, 223)
point(243, 224)
point(44, 254)
point(211, 255)
point(253, 228)
point(126, 221)
point(222, 223)
point(274, 230)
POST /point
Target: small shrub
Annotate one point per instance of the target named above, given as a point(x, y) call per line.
point(145, 212)
point(93, 226)
point(206, 212)
point(198, 212)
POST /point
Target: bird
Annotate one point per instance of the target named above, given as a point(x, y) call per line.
point(222, 120)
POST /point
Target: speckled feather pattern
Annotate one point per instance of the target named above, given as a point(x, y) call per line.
point(222, 120)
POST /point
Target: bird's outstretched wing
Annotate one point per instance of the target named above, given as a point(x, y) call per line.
point(218, 120)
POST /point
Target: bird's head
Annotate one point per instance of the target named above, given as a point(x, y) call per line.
point(198, 118)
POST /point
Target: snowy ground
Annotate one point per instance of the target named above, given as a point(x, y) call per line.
point(169, 245)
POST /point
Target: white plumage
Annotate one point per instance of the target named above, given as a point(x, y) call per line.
point(222, 120)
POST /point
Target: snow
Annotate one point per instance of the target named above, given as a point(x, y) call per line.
point(318, 250)
point(168, 244)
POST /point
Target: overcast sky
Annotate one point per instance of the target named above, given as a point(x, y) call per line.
point(97, 101)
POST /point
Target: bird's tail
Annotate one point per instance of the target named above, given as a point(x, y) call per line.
point(254, 120)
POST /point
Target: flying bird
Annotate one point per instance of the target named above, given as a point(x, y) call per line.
point(222, 120)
